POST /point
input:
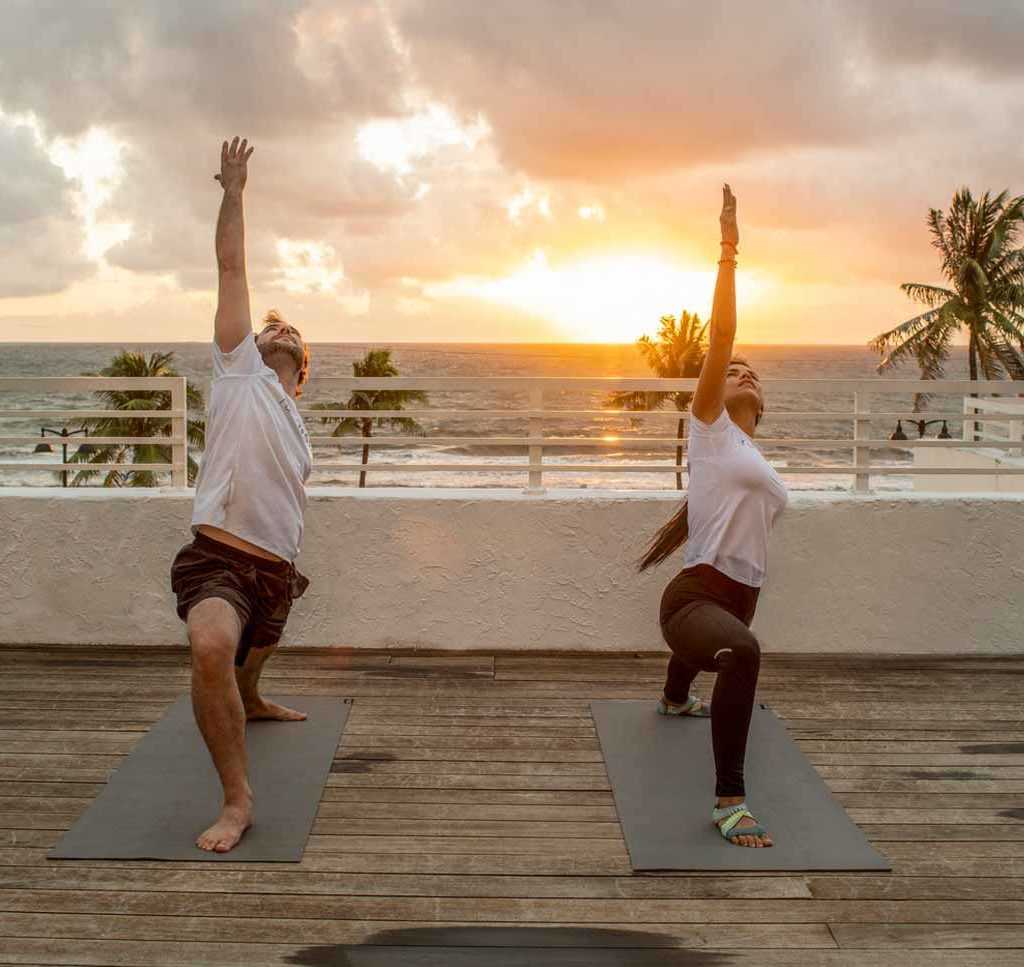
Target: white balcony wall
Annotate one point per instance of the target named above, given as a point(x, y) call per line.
point(989, 459)
point(849, 573)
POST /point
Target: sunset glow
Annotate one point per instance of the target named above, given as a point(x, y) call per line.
point(605, 298)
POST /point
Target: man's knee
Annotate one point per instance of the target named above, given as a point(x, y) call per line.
point(213, 640)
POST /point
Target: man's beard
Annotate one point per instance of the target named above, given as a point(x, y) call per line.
point(295, 353)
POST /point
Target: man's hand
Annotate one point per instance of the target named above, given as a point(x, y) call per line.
point(234, 160)
point(730, 231)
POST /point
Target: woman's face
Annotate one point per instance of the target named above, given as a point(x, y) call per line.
point(741, 382)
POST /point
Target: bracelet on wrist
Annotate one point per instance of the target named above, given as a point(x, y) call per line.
point(727, 262)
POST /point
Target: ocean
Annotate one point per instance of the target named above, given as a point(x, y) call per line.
point(479, 359)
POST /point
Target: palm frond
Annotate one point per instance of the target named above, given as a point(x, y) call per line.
point(929, 295)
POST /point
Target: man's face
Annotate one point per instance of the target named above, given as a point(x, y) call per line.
point(281, 337)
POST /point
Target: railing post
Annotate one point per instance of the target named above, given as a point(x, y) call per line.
point(861, 431)
point(179, 444)
point(1016, 434)
point(535, 430)
point(970, 427)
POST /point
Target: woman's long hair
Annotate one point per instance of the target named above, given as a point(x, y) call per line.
point(672, 535)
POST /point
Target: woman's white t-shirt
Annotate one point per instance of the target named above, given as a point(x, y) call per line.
point(734, 498)
point(252, 478)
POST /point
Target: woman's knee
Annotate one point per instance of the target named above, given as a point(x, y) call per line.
point(743, 651)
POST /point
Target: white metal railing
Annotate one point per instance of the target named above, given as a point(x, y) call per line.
point(1006, 429)
point(538, 390)
point(60, 385)
point(535, 407)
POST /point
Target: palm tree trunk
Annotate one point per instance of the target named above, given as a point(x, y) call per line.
point(972, 362)
point(366, 453)
point(679, 453)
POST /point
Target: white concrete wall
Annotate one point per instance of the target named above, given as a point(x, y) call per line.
point(959, 483)
point(483, 569)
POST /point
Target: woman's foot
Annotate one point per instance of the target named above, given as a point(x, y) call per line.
point(732, 831)
point(693, 706)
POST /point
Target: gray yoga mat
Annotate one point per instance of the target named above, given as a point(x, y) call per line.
point(662, 773)
point(166, 791)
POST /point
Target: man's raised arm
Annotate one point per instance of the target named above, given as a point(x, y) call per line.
point(233, 321)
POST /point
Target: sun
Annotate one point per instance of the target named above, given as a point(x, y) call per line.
point(612, 297)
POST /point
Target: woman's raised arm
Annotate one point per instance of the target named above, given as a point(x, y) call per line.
point(709, 398)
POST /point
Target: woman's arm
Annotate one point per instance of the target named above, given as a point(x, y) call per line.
point(709, 398)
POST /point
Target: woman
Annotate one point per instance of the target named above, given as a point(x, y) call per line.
point(733, 500)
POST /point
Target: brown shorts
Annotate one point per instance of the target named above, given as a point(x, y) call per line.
point(261, 591)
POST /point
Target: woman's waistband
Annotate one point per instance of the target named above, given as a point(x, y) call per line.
point(702, 582)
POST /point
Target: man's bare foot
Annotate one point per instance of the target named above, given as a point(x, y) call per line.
point(260, 708)
point(739, 839)
point(230, 827)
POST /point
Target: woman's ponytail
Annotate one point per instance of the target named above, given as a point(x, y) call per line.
point(672, 535)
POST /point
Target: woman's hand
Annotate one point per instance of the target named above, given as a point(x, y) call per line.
point(730, 231)
point(234, 159)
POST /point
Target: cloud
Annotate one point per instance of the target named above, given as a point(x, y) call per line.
point(984, 37)
point(585, 90)
point(610, 89)
point(41, 239)
point(170, 80)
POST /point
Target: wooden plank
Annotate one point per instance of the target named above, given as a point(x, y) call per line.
point(954, 861)
point(335, 930)
point(919, 936)
point(491, 782)
point(381, 764)
point(882, 772)
point(886, 833)
point(288, 908)
point(978, 810)
point(214, 879)
point(477, 846)
point(167, 877)
point(458, 864)
point(896, 887)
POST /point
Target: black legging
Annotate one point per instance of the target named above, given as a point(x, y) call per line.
point(705, 618)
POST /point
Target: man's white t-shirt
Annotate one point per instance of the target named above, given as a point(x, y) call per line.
point(252, 477)
point(734, 498)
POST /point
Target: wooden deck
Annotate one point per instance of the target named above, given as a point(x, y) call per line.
point(468, 821)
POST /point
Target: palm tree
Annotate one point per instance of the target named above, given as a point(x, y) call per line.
point(376, 363)
point(127, 363)
point(677, 353)
point(985, 296)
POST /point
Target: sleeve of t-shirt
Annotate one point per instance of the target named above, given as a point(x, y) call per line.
point(718, 426)
point(709, 440)
point(243, 360)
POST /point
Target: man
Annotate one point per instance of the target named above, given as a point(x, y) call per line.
point(235, 582)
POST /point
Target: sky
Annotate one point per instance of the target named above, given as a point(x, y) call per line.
point(510, 171)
